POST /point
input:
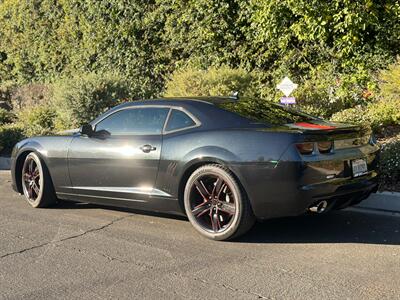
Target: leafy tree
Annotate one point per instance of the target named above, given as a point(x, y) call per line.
point(147, 41)
point(304, 33)
point(38, 120)
point(82, 98)
point(42, 40)
point(384, 110)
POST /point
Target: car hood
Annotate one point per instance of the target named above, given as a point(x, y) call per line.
point(68, 132)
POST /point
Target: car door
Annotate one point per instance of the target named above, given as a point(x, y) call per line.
point(121, 159)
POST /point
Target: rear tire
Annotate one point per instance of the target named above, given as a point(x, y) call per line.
point(36, 182)
point(216, 204)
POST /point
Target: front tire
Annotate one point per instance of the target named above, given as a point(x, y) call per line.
point(216, 204)
point(36, 182)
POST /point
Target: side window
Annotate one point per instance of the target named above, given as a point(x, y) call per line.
point(178, 120)
point(148, 120)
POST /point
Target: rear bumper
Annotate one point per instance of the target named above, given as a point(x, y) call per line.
point(294, 201)
point(339, 193)
point(293, 185)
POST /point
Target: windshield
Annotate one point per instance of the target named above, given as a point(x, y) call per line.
point(264, 111)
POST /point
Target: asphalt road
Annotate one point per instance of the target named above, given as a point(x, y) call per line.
point(82, 251)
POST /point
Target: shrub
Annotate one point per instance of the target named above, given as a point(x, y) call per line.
point(38, 120)
point(328, 91)
point(6, 92)
point(390, 82)
point(390, 164)
point(355, 115)
point(146, 39)
point(10, 134)
point(17, 97)
point(222, 81)
point(30, 95)
point(6, 116)
point(384, 113)
point(377, 115)
point(83, 97)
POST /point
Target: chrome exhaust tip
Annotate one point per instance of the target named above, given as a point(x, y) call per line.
point(319, 208)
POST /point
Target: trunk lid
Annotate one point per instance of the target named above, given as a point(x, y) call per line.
point(319, 128)
point(342, 135)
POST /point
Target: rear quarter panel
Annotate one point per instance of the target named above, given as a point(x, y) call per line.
point(250, 154)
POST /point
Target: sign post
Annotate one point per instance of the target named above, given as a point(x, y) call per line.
point(286, 86)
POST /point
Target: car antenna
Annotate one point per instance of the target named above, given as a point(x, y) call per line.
point(235, 95)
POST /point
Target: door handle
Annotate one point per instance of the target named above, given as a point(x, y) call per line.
point(147, 148)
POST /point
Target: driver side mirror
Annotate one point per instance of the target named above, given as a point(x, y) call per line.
point(86, 129)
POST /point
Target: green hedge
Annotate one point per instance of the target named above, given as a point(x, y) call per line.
point(377, 115)
point(328, 91)
point(10, 134)
point(6, 116)
point(6, 92)
point(221, 81)
point(82, 98)
point(37, 120)
point(384, 110)
point(147, 40)
point(390, 165)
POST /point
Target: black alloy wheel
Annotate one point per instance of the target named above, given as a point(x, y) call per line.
point(36, 182)
point(216, 205)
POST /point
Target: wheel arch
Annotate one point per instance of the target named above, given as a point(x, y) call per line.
point(19, 163)
point(199, 162)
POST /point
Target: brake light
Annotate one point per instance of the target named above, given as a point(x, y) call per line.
point(305, 148)
point(325, 147)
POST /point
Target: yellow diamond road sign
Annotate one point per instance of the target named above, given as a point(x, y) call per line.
point(287, 86)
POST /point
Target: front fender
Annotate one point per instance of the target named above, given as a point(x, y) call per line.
point(20, 151)
point(28, 145)
point(52, 150)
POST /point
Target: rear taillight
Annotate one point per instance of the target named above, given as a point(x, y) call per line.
point(305, 148)
point(310, 147)
point(325, 147)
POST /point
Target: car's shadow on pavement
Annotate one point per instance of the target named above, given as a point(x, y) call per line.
point(334, 227)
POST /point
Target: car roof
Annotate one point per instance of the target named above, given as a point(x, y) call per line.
point(179, 101)
point(202, 108)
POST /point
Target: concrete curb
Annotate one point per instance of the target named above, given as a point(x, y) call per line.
point(384, 201)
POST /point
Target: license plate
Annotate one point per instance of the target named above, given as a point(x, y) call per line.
point(359, 167)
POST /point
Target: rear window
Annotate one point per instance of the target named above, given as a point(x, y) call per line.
point(262, 111)
point(178, 120)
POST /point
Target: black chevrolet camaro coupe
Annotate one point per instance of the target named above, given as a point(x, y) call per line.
point(221, 162)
